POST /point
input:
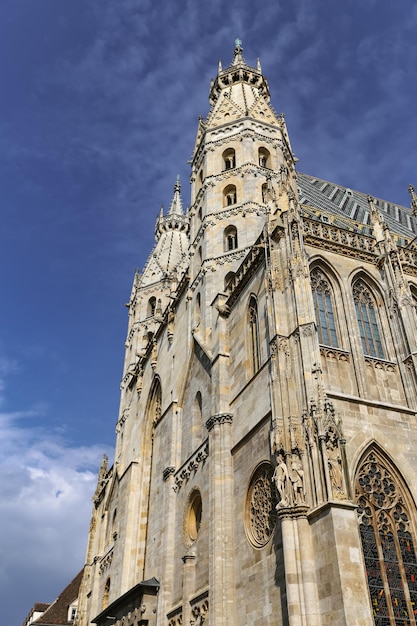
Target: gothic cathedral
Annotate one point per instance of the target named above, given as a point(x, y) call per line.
point(264, 469)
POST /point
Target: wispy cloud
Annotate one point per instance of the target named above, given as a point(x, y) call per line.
point(45, 506)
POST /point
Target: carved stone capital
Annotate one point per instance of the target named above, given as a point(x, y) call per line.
point(293, 512)
point(220, 418)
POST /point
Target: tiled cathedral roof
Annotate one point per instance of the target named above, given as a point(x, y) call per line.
point(347, 206)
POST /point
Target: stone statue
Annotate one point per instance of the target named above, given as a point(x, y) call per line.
point(334, 463)
point(282, 481)
point(297, 480)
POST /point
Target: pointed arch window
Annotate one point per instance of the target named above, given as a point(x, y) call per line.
point(254, 334)
point(154, 404)
point(323, 299)
point(197, 311)
point(197, 415)
point(366, 314)
point(388, 542)
point(230, 238)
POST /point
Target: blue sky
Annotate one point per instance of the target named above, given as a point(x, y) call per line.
point(99, 103)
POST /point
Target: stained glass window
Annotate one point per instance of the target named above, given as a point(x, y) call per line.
point(387, 542)
point(323, 308)
point(367, 320)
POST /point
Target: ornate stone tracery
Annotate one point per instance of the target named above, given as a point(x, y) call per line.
point(261, 515)
point(387, 541)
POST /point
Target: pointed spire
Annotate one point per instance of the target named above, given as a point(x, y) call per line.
point(258, 65)
point(176, 204)
point(220, 67)
point(237, 54)
point(413, 199)
point(377, 220)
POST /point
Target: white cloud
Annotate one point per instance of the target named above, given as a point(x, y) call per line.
point(45, 507)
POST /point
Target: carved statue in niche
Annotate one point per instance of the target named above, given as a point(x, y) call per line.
point(297, 480)
point(334, 462)
point(282, 481)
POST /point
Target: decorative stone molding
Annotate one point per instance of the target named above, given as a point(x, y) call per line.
point(199, 609)
point(122, 419)
point(334, 354)
point(293, 512)
point(380, 364)
point(168, 471)
point(191, 466)
point(220, 418)
point(106, 561)
point(335, 239)
point(307, 330)
point(175, 617)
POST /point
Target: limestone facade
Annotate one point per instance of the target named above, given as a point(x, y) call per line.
point(264, 469)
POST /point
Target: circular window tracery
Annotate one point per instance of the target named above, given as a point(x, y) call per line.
point(261, 502)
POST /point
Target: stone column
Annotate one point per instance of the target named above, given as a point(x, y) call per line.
point(221, 585)
point(188, 585)
point(341, 581)
point(299, 561)
point(168, 545)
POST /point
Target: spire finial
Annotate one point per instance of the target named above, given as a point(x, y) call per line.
point(237, 54)
point(176, 204)
point(413, 199)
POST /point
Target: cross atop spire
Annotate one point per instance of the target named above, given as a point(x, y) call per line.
point(237, 54)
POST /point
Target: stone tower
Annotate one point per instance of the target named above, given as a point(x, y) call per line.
point(264, 461)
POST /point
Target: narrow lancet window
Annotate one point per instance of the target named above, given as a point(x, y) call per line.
point(324, 308)
point(366, 313)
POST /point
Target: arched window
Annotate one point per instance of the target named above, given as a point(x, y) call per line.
point(229, 195)
point(388, 542)
point(324, 308)
point(264, 157)
point(228, 279)
point(229, 159)
point(197, 313)
point(106, 593)
point(253, 334)
point(230, 238)
point(366, 314)
point(151, 306)
point(197, 415)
